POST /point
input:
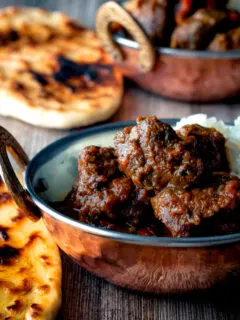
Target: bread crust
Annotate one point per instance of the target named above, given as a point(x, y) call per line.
point(30, 265)
point(35, 43)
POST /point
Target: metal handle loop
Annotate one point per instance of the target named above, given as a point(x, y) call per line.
point(19, 194)
point(112, 12)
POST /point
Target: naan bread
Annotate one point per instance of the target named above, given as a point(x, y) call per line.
point(30, 266)
point(53, 72)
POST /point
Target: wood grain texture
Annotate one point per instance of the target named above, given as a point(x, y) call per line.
point(86, 297)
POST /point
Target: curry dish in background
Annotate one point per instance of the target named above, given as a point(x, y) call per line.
point(187, 24)
point(158, 182)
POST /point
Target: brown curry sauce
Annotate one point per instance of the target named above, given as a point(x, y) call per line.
point(157, 182)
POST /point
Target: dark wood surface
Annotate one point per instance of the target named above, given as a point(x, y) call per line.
point(84, 295)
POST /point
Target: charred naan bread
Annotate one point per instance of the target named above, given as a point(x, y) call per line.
point(53, 72)
point(30, 266)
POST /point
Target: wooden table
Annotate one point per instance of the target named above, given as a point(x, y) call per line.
point(84, 295)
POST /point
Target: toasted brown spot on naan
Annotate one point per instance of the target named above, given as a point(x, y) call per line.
point(33, 237)
point(22, 270)
point(5, 197)
point(24, 287)
point(34, 314)
point(8, 255)
point(36, 307)
point(44, 288)
point(45, 259)
point(20, 215)
point(16, 306)
point(5, 284)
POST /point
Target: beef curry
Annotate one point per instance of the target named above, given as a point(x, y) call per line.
point(156, 181)
point(187, 24)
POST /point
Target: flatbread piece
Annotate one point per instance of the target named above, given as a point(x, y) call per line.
point(30, 266)
point(53, 72)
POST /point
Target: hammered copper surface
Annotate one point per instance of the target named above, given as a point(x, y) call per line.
point(186, 79)
point(148, 268)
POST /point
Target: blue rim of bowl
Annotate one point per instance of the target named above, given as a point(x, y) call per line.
point(182, 53)
point(70, 139)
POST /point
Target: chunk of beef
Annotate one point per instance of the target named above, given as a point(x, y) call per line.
point(156, 17)
point(152, 155)
point(197, 31)
point(103, 196)
point(209, 145)
point(208, 210)
point(187, 7)
point(96, 166)
point(226, 41)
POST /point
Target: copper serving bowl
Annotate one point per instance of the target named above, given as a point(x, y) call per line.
point(151, 264)
point(200, 76)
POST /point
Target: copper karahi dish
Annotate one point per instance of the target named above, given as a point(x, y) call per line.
point(184, 70)
point(200, 250)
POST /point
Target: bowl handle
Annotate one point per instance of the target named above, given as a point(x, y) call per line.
point(20, 195)
point(112, 12)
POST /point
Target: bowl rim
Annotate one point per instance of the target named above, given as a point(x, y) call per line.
point(70, 139)
point(182, 53)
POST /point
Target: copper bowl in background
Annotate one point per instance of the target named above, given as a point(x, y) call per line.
point(150, 264)
point(193, 76)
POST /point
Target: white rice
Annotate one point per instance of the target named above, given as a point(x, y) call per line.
point(230, 132)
